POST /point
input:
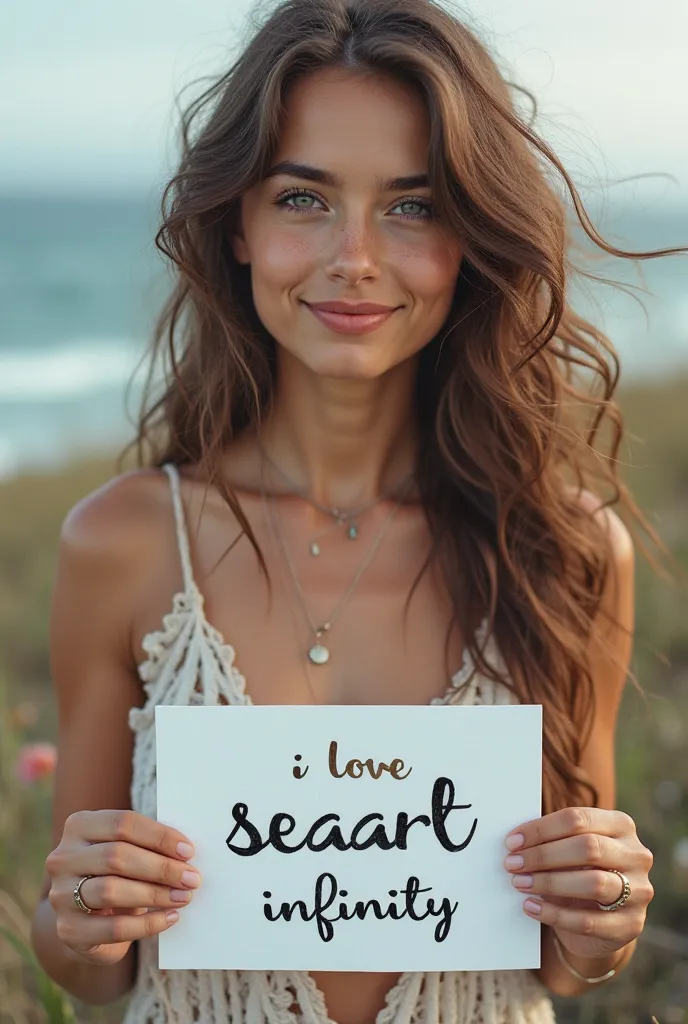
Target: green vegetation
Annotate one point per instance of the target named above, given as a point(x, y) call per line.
point(651, 752)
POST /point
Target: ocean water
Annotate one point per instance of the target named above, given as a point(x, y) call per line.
point(81, 283)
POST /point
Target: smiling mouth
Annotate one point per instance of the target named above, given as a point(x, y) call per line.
point(352, 323)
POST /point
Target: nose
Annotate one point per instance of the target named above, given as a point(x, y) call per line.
point(354, 254)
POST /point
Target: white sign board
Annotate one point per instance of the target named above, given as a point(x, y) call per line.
point(350, 838)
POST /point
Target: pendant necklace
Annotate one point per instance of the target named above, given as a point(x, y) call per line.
point(318, 653)
point(342, 517)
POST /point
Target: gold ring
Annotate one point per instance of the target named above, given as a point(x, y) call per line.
point(77, 895)
point(625, 894)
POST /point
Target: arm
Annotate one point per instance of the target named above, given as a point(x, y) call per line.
point(609, 657)
point(101, 564)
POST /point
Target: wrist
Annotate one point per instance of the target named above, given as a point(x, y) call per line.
point(592, 970)
point(561, 979)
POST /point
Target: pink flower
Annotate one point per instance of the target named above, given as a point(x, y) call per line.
point(36, 761)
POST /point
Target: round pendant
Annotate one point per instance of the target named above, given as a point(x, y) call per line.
point(315, 549)
point(319, 654)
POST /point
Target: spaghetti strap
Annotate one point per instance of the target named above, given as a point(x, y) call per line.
point(180, 522)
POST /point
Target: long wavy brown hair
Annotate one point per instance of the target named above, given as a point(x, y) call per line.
point(514, 396)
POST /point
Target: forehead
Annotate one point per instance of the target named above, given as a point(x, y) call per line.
point(337, 120)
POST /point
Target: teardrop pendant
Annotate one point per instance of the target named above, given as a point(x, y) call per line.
point(315, 549)
point(319, 654)
point(353, 531)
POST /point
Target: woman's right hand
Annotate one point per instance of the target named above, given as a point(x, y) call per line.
point(141, 879)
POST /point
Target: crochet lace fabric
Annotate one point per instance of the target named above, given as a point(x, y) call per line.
point(189, 663)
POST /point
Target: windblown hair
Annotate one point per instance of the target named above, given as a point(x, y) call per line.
point(515, 393)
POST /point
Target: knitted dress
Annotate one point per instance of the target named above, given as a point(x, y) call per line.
point(189, 663)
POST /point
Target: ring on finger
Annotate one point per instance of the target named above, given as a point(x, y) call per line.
point(77, 895)
point(625, 893)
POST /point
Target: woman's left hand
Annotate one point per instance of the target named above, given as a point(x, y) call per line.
point(564, 858)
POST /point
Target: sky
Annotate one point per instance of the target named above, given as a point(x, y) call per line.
point(87, 89)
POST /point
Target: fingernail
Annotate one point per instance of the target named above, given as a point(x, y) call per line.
point(171, 916)
point(532, 907)
point(522, 881)
point(180, 895)
point(191, 879)
point(516, 841)
point(514, 863)
point(185, 850)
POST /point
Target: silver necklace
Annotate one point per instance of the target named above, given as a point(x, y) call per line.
point(318, 653)
point(342, 517)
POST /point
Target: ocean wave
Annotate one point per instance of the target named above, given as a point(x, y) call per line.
point(68, 371)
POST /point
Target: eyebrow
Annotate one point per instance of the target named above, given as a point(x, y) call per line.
point(321, 177)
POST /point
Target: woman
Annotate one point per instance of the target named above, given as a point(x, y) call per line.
point(370, 455)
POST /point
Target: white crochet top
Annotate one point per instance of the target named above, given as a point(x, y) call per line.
point(189, 662)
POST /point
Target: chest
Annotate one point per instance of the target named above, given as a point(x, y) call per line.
point(391, 639)
point(378, 651)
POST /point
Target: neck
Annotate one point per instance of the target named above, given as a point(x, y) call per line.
point(344, 442)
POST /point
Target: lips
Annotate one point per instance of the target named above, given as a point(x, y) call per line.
point(351, 318)
point(351, 308)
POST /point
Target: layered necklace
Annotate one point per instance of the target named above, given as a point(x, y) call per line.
point(348, 518)
point(318, 653)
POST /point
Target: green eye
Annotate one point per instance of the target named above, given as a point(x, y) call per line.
point(297, 200)
point(415, 209)
point(302, 201)
point(406, 206)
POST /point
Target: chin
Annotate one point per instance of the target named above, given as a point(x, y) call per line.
point(347, 366)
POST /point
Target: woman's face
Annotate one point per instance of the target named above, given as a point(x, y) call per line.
point(333, 221)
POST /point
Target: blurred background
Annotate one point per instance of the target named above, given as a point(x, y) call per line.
point(87, 122)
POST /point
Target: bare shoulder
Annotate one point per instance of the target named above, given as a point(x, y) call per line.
point(622, 547)
point(611, 641)
point(131, 516)
point(114, 546)
point(118, 518)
